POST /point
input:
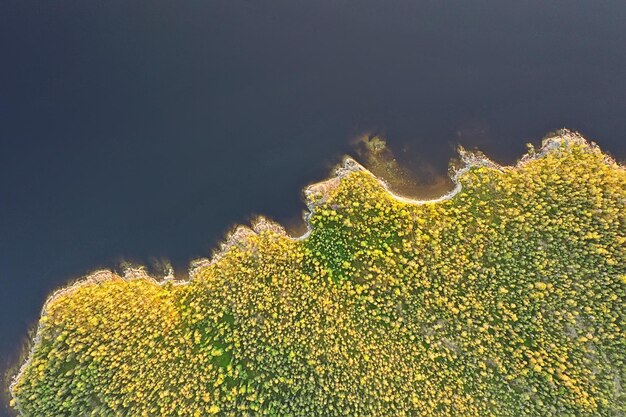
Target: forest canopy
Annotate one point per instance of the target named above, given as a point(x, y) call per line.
point(506, 299)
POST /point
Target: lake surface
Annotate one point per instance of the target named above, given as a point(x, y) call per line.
point(144, 131)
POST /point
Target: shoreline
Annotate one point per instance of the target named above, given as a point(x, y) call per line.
point(240, 233)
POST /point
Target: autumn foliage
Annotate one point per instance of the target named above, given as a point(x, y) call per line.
point(508, 299)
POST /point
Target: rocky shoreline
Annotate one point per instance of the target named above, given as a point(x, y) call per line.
point(315, 194)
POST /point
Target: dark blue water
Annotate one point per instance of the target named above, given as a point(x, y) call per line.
point(146, 129)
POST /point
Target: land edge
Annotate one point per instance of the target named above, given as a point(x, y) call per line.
point(323, 189)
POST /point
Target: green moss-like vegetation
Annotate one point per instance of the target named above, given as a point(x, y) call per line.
point(506, 300)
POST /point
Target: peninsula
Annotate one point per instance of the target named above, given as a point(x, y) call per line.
point(506, 297)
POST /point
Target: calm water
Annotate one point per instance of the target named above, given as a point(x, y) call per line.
point(144, 130)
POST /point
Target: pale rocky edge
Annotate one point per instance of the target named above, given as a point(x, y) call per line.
point(316, 194)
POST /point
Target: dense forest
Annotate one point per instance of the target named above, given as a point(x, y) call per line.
point(505, 299)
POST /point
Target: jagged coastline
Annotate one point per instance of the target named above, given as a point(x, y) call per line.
point(315, 194)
